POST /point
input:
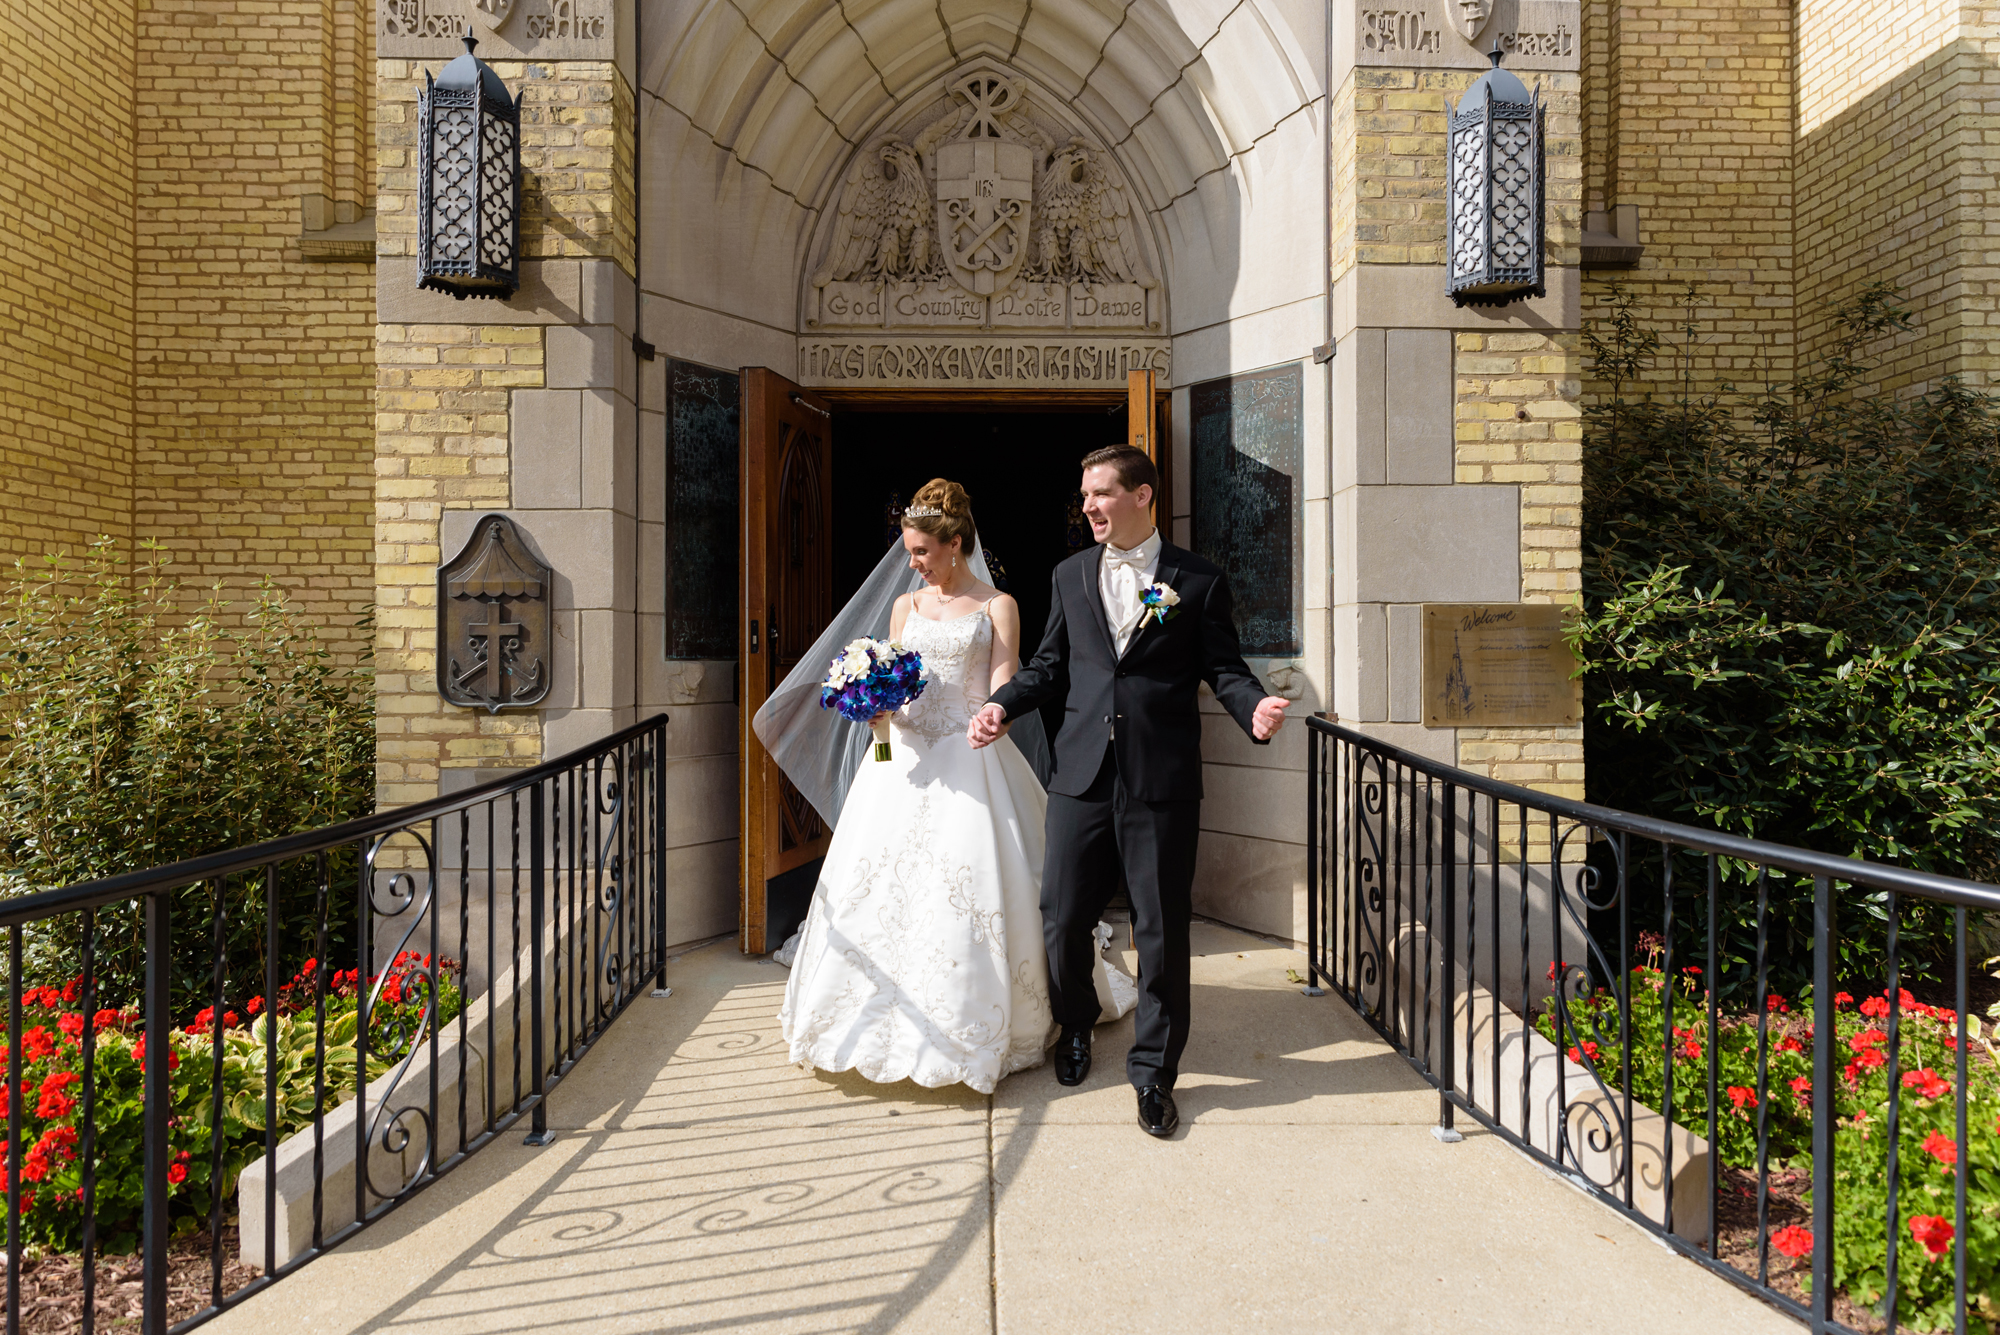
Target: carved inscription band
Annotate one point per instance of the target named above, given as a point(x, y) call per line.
point(951, 363)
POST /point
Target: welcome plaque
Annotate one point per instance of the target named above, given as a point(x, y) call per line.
point(1498, 665)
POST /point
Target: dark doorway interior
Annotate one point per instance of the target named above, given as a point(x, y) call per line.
point(1020, 468)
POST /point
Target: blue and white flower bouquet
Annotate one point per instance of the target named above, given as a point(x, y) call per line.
point(870, 678)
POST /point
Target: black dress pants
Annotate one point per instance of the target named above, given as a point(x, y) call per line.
point(1092, 838)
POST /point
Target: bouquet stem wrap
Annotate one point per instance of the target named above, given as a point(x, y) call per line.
point(881, 730)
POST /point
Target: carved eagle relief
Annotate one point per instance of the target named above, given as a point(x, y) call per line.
point(1083, 227)
point(884, 227)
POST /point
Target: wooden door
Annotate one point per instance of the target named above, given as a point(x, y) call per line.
point(1147, 428)
point(787, 491)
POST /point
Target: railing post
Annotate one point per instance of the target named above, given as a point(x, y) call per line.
point(658, 752)
point(1825, 1041)
point(538, 883)
point(1448, 1006)
point(159, 1107)
point(1313, 879)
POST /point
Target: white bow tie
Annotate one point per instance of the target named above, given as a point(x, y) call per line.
point(1136, 558)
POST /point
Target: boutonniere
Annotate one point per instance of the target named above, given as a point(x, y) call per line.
point(1161, 602)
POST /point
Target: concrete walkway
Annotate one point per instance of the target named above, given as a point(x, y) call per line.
point(699, 1182)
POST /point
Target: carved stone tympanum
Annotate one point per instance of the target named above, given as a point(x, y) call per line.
point(985, 213)
point(493, 621)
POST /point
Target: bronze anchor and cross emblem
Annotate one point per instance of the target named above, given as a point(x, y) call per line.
point(493, 608)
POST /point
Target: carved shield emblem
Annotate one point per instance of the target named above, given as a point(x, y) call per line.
point(1469, 17)
point(491, 15)
point(984, 192)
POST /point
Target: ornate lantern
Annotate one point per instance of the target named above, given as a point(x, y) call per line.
point(1495, 156)
point(469, 167)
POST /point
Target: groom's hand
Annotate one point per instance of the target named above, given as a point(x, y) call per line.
point(988, 726)
point(1270, 717)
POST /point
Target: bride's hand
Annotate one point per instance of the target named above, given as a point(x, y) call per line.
point(988, 726)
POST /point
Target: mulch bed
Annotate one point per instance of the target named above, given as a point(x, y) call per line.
point(52, 1287)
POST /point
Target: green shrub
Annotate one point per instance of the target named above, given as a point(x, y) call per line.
point(137, 729)
point(1789, 624)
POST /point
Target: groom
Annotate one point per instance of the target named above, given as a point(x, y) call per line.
point(1135, 625)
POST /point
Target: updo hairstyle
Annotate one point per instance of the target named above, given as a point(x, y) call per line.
point(955, 519)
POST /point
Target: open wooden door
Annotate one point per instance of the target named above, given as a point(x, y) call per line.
point(1147, 428)
point(787, 491)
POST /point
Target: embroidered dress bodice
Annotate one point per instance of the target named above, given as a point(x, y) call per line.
point(958, 662)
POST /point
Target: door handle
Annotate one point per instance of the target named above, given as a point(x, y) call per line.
point(753, 637)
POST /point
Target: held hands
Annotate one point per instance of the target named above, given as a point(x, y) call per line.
point(1270, 717)
point(988, 726)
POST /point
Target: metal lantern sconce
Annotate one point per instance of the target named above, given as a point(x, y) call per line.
point(469, 170)
point(1497, 171)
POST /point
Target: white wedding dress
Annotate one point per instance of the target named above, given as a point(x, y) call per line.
point(922, 957)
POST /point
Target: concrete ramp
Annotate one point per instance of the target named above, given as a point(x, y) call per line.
point(699, 1182)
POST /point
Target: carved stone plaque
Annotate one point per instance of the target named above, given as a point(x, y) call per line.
point(1498, 665)
point(506, 29)
point(985, 214)
point(1457, 34)
point(493, 621)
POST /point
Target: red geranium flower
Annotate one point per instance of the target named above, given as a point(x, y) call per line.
point(254, 1005)
point(1793, 1241)
point(1740, 1096)
point(1927, 1083)
point(36, 1044)
point(107, 1019)
point(58, 1140)
point(1934, 1231)
point(176, 1174)
point(1790, 1044)
point(71, 1024)
point(1842, 999)
point(53, 1102)
point(1802, 1088)
point(1875, 1007)
point(72, 990)
point(1941, 1148)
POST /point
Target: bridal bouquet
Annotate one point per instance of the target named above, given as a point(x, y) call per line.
point(873, 677)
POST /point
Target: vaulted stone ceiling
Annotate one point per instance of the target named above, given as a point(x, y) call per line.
point(766, 101)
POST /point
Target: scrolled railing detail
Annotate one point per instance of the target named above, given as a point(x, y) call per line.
point(1527, 1022)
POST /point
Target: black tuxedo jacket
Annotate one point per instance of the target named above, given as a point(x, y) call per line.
point(1143, 704)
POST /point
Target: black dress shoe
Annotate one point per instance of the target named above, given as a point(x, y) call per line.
point(1072, 1056)
point(1157, 1113)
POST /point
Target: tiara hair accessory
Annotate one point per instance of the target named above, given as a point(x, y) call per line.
point(923, 512)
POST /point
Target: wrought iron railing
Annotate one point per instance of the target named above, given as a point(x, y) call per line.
point(1448, 908)
point(304, 984)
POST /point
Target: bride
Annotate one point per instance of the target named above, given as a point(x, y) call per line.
point(922, 954)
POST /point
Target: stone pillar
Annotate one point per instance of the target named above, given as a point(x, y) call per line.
point(527, 406)
point(1456, 439)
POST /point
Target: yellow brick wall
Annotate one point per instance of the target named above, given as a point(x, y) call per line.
point(443, 397)
point(1688, 115)
point(1518, 422)
point(1340, 143)
point(576, 157)
point(254, 368)
point(66, 292)
point(1896, 159)
point(1398, 165)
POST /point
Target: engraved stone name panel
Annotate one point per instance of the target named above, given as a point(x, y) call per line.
point(506, 29)
point(1498, 664)
point(948, 363)
point(1457, 34)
